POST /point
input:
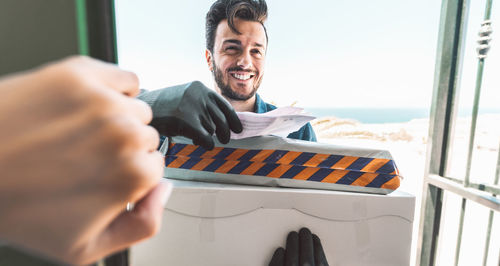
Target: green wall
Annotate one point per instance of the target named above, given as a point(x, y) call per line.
point(33, 32)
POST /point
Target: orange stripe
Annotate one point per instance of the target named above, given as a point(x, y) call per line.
point(306, 173)
point(344, 162)
point(202, 164)
point(334, 176)
point(186, 150)
point(212, 153)
point(226, 167)
point(254, 167)
point(364, 179)
point(374, 165)
point(392, 184)
point(280, 170)
point(316, 159)
point(289, 157)
point(236, 154)
point(178, 162)
point(263, 154)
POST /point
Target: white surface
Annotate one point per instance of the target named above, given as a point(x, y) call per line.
point(218, 224)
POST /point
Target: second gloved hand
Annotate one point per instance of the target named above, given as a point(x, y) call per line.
point(194, 111)
point(302, 249)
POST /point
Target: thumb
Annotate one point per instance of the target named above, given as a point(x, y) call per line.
point(142, 222)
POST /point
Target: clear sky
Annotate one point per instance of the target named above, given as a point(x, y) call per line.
point(322, 53)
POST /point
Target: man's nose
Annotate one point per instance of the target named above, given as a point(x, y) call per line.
point(245, 61)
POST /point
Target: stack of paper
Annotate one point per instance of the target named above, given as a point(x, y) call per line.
point(279, 122)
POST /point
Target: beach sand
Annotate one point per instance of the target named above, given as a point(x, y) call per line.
point(407, 142)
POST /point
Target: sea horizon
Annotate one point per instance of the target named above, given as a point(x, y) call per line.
point(377, 115)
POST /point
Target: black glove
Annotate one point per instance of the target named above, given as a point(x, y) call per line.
point(302, 249)
point(193, 111)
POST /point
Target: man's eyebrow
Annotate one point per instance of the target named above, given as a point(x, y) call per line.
point(258, 45)
point(232, 41)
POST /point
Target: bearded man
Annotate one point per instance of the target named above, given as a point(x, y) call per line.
point(236, 46)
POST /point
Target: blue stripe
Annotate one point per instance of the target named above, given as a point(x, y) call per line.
point(359, 163)
point(275, 156)
point(331, 160)
point(190, 163)
point(169, 159)
point(249, 155)
point(198, 152)
point(292, 172)
point(214, 165)
point(350, 177)
point(266, 169)
point(387, 168)
point(380, 180)
point(240, 167)
point(224, 153)
point(320, 174)
point(304, 157)
point(175, 149)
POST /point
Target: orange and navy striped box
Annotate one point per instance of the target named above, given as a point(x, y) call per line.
point(275, 161)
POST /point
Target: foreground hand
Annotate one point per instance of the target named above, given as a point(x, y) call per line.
point(74, 149)
point(302, 249)
point(193, 111)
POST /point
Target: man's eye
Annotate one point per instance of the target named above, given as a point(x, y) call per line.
point(231, 48)
point(256, 51)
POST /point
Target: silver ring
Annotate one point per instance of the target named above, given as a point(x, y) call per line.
point(130, 206)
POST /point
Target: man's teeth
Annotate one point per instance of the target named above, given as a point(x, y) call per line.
point(242, 77)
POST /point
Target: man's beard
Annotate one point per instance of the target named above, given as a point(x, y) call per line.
point(226, 89)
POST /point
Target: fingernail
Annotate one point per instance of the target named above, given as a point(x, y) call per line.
point(166, 194)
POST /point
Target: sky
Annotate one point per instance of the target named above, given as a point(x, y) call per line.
point(321, 53)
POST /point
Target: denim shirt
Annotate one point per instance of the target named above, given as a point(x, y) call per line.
point(304, 133)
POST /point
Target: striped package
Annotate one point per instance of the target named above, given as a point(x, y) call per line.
point(275, 161)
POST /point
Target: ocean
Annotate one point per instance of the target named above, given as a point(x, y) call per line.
point(386, 115)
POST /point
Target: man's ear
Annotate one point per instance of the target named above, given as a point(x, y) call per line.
point(208, 56)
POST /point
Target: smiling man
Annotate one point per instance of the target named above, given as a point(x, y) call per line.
point(236, 52)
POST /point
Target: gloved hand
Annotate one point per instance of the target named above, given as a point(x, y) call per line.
point(193, 111)
point(302, 249)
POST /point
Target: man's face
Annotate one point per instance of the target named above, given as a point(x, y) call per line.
point(237, 61)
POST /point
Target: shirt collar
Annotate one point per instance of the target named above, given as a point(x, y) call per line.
point(260, 105)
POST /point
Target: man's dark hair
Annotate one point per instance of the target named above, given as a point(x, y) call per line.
point(250, 10)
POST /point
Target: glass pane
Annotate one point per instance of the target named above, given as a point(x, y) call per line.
point(494, 250)
point(162, 41)
point(474, 234)
point(448, 229)
point(487, 136)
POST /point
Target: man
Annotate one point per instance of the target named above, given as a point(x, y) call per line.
point(236, 46)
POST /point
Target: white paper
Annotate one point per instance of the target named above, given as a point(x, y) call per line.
point(279, 122)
